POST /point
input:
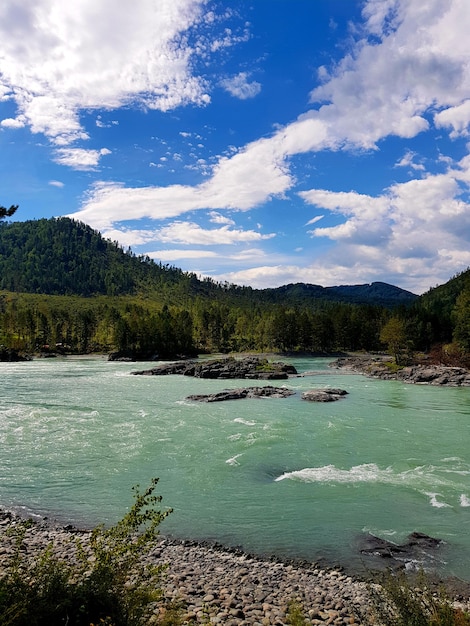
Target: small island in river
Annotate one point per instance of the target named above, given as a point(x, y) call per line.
point(250, 367)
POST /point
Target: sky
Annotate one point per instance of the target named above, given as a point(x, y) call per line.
point(260, 142)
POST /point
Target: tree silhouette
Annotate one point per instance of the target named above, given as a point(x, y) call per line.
point(4, 212)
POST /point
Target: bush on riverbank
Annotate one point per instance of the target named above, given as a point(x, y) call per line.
point(401, 601)
point(106, 585)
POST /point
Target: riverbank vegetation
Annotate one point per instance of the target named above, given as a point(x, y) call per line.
point(65, 289)
point(108, 584)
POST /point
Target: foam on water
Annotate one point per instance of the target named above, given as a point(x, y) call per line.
point(435, 502)
point(464, 500)
point(233, 460)
point(368, 472)
point(240, 420)
point(419, 477)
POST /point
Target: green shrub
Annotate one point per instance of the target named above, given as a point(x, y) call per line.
point(295, 615)
point(399, 601)
point(108, 584)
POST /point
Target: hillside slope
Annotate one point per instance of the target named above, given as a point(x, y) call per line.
point(64, 257)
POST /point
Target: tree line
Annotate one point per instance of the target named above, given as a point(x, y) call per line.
point(65, 288)
point(146, 328)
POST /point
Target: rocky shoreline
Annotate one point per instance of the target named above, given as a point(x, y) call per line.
point(220, 585)
point(379, 367)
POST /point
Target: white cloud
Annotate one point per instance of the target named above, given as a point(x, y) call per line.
point(408, 71)
point(386, 88)
point(218, 218)
point(191, 233)
point(60, 57)
point(10, 122)
point(457, 118)
point(240, 87)
point(408, 160)
point(314, 220)
point(174, 255)
point(129, 237)
point(56, 183)
point(183, 233)
point(79, 158)
point(402, 231)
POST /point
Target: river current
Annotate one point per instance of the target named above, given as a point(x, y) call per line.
point(273, 476)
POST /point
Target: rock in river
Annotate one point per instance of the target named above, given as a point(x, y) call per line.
point(324, 395)
point(418, 549)
point(239, 394)
point(251, 367)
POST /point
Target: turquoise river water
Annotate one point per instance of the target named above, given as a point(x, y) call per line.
point(274, 476)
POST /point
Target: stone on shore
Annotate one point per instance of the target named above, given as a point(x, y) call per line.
point(324, 395)
point(240, 394)
point(219, 585)
point(251, 367)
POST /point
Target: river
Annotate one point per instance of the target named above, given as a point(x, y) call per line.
point(277, 476)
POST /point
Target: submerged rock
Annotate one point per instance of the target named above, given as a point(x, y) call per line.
point(239, 394)
point(251, 367)
point(414, 551)
point(324, 395)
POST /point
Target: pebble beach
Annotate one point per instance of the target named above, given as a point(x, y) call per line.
point(220, 585)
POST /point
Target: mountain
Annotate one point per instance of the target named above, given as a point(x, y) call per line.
point(64, 257)
point(60, 256)
point(378, 293)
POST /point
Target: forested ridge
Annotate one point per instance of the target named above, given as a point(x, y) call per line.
point(65, 288)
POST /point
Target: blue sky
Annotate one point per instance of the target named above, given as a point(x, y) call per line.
point(260, 143)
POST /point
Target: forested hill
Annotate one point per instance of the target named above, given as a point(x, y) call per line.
point(64, 257)
point(378, 293)
point(442, 299)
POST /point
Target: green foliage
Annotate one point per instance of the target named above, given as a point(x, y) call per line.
point(461, 316)
point(4, 212)
point(108, 583)
point(400, 601)
point(295, 615)
point(394, 335)
point(114, 301)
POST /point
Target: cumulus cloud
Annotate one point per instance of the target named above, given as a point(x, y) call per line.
point(79, 158)
point(10, 122)
point(177, 255)
point(191, 233)
point(408, 160)
point(59, 58)
point(457, 118)
point(406, 74)
point(184, 233)
point(240, 87)
point(218, 218)
point(401, 231)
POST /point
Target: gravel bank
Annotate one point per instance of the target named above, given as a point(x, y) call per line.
point(223, 586)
